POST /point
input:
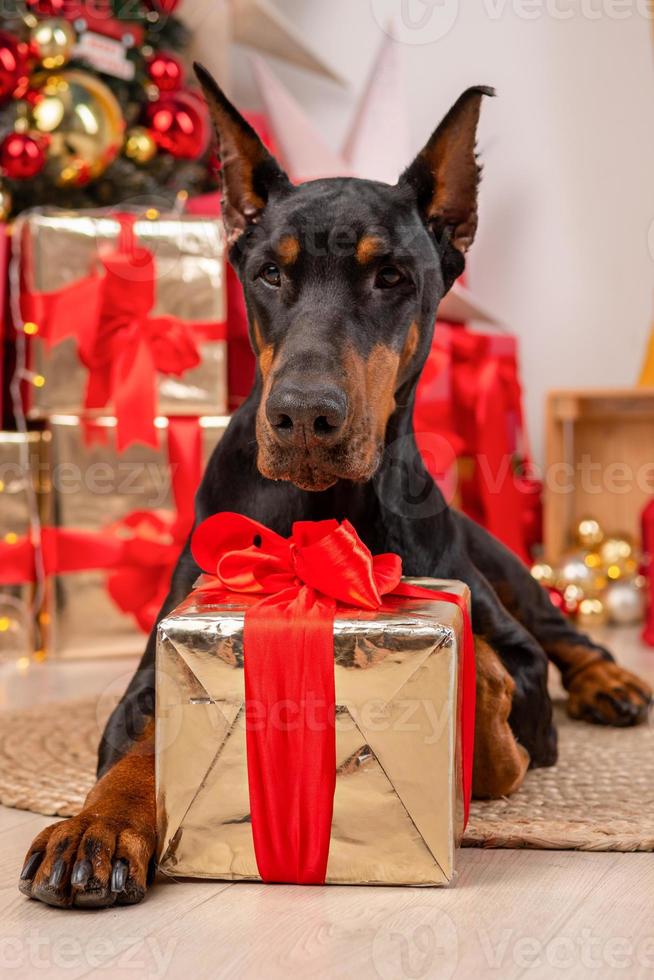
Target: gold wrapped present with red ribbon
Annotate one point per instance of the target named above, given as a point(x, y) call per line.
point(126, 316)
point(111, 532)
point(315, 713)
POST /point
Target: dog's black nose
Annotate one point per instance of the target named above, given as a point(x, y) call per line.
point(301, 415)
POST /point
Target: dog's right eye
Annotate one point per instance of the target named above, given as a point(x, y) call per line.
point(271, 274)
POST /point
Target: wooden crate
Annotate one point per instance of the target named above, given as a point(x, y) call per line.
point(599, 461)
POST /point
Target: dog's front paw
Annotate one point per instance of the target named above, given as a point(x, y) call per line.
point(89, 861)
point(607, 694)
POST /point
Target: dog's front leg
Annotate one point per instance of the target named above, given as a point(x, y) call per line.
point(100, 857)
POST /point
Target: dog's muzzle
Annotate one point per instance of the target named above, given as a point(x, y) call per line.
point(307, 417)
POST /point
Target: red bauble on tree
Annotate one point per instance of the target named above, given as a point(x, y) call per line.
point(21, 156)
point(14, 76)
point(166, 72)
point(47, 8)
point(179, 124)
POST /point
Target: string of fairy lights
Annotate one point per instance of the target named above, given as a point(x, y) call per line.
point(21, 375)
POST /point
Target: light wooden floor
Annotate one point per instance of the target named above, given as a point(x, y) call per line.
point(511, 914)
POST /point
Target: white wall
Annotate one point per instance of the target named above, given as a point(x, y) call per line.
point(568, 148)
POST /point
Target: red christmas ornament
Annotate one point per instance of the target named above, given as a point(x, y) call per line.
point(166, 72)
point(557, 598)
point(14, 76)
point(179, 124)
point(21, 156)
point(47, 8)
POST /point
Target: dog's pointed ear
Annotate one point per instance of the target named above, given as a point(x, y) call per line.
point(445, 176)
point(249, 174)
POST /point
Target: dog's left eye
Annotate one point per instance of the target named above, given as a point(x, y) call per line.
point(271, 274)
point(388, 276)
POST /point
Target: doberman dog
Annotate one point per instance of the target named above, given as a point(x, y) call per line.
point(342, 279)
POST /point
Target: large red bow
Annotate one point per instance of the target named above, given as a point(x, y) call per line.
point(127, 346)
point(288, 637)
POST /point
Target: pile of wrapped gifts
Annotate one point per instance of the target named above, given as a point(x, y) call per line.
point(124, 386)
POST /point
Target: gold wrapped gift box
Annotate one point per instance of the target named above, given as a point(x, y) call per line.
point(398, 808)
point(58, 248)
point(94, 487)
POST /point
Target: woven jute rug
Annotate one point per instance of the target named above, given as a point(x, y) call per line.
point(600, 796)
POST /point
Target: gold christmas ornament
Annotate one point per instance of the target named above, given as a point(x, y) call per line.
point(575, 571)
point(543, 573)
point(588, 533)
point(5, 203)
point(573, 595)
point(625, 601)
point(615, 550)
point(591, 612)
point(139, 145)
point(83, 122)
point(623, 569)
point(52, 41)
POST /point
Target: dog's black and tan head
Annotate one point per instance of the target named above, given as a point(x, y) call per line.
point(342, 278)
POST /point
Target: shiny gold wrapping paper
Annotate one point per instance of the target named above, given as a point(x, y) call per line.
point(21, 463)
point(93, 486)
point(57, 248)
point(398, 811)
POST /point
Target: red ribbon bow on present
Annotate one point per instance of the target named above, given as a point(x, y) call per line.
point(123, 346)
point(288, 638)
point(127, 347)
point(140, 580)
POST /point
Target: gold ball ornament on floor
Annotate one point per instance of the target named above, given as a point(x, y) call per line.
point(83, 122)
point(588, 533)
point(140, 145)
point(616, 549)
point(52, 41)
point(575, 571)
point(591, 612)
point(625, 601)
point(543, 573)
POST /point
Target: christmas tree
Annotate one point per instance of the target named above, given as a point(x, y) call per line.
point(94, 105)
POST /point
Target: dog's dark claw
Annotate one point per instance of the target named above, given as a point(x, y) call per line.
point(31, 865)
point(81, 873)
point(57, 873)
point(625, 711)
point(119, 875)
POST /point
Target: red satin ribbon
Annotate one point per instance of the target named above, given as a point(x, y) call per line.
point(288, 639)
point(123, 346)
point(152, 540)
point(647, 538)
